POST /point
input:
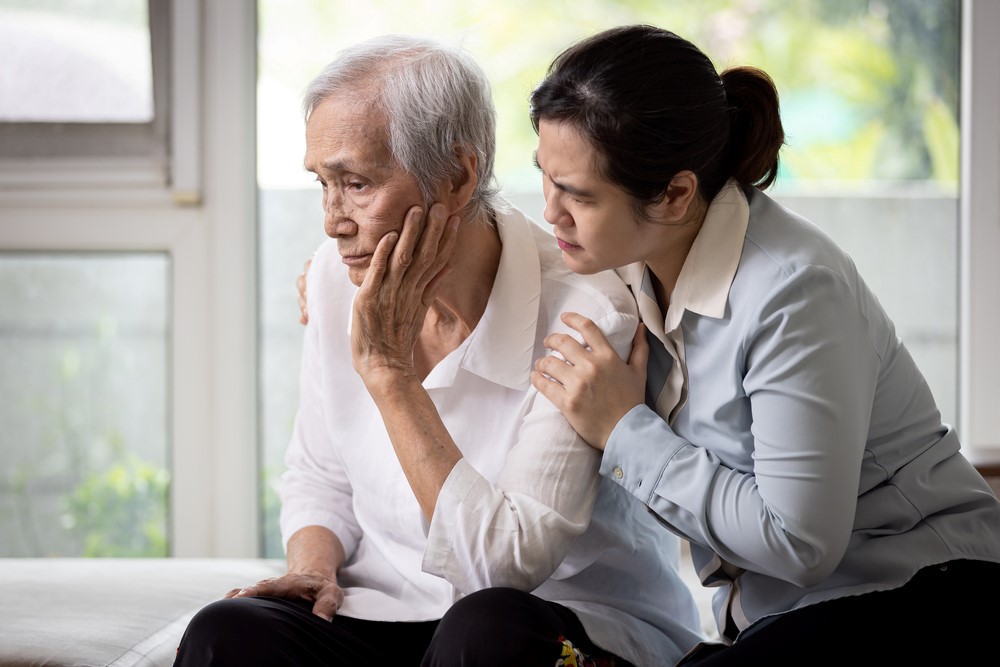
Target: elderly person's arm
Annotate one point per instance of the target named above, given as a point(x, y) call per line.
point(514, 532)
point(389, 311)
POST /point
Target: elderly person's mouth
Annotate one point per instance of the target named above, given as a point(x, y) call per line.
point(356, 260)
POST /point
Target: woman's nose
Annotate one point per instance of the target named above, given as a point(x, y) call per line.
point(555, 213)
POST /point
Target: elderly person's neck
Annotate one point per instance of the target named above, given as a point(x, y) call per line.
point(462, 300)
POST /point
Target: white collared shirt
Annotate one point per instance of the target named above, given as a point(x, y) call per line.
point(803, 456)
point(525, 507)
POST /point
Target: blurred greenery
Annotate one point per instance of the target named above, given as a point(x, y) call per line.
point(83, 367)
point(121, 510)
point(869, 88)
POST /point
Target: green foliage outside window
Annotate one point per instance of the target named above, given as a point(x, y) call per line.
point(869, 88)
point(121, 510)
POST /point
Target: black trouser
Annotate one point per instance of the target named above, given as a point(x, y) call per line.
point(945, 615)
point(494, 627)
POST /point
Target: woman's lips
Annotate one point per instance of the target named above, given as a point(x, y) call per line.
point(566, 245)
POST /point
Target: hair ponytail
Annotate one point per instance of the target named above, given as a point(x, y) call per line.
point(756, 135)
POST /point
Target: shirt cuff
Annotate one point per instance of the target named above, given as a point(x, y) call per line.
point(638, 450)
point(441, 531)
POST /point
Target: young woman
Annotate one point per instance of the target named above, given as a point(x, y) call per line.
point(768, 413)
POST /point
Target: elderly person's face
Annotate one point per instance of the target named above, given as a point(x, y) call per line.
point(365, 192)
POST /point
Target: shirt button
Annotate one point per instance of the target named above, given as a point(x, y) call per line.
point(619, 473)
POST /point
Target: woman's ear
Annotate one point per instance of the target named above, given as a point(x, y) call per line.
point(681, 192)
point(463, 185)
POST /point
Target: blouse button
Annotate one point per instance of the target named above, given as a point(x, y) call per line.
point(619, 473)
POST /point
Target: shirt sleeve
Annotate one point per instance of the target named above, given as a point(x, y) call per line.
point(810, 371)
point(517, 532)
point(314, 489)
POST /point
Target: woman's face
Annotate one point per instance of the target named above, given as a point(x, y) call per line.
point(592, 219)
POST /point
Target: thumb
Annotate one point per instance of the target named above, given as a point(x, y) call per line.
point(640, 350)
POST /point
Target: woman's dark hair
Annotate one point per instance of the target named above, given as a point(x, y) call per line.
point(652, 104)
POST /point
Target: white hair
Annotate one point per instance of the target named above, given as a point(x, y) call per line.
point(437, 103)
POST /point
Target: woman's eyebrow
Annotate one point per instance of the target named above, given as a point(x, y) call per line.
point(568, 189)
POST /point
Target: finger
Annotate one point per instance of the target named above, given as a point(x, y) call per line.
point(569, 347)
point(640, 349)
point(548, 388)
point(592, 334)
point(413, 229)
point(245, 592)
point(328, 602)
point(300, 285)
point(442, 268)
point(554, 369)
point(380, 260)
point(435, 247)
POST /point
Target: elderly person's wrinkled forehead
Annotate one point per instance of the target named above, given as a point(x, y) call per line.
point(432, 102)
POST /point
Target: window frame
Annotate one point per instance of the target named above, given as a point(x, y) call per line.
point(108, 152)
point(979, 236)
point(199, 207)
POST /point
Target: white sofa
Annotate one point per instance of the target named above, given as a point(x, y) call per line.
point(126, 612)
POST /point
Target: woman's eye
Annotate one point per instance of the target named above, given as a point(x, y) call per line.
point(357, 186)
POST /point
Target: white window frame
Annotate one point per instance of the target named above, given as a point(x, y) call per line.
point(979, 258)
point(200, 208)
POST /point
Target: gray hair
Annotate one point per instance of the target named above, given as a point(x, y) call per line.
point(435, 99)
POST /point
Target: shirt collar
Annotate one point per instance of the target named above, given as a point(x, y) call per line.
point(710, 267)
point(501, 349)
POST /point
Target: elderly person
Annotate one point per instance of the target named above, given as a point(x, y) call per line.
point(424, 469)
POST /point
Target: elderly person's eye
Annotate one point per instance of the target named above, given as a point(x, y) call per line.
point(357, 186)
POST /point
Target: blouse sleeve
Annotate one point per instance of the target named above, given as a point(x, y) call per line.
point(516, 533)
point(810, 371)
point(314, 489)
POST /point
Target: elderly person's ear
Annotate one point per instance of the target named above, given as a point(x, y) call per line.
point(463, 185)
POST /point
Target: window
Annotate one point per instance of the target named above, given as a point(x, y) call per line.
point(83, 382)
point(870, 99)
point(79, 80)
point(125, 296)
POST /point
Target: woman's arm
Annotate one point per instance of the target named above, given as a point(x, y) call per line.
point(810, 370)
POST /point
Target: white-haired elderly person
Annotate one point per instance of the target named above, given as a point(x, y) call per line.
point(424, 470)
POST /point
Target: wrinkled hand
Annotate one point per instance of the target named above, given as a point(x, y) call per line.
point(593, 387)
point(324, 593)
point(402, 281)
point(300, 285)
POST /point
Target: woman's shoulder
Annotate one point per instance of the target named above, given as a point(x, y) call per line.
point(779, 239)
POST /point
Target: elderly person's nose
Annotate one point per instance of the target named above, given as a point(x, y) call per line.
point(338, 223)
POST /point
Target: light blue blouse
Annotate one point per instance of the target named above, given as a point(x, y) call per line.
point(805, 458)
